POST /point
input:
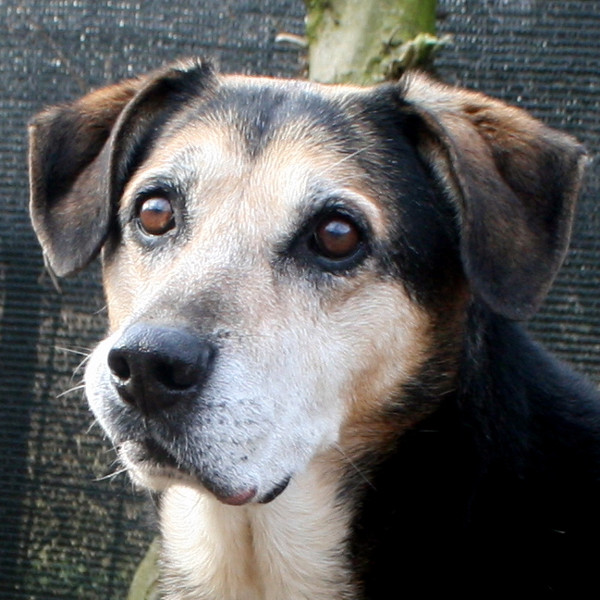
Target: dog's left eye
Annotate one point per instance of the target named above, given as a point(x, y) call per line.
point(155, 216)
point(337, 237)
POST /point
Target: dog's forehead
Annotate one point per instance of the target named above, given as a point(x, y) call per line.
point(261, 112)
point(263, 106)
point(261, 138)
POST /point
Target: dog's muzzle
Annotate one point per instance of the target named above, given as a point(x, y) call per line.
point(154, 368)
point(160, 375)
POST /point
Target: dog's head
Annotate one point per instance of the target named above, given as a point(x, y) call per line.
point(283, 259)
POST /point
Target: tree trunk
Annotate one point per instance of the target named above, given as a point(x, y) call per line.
point(368, 41)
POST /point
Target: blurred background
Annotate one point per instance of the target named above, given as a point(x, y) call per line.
point(67, 528)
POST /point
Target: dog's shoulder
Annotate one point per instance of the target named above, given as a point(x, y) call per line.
point(533, 411)
point(499, 488)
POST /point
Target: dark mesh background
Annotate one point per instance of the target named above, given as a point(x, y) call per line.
point(63, 533)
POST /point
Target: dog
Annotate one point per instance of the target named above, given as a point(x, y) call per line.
point(316, 358)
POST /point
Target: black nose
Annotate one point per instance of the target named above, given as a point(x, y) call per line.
point(154, 367)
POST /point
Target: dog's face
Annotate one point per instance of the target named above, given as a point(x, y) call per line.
point(283, 261)
point(254, 231)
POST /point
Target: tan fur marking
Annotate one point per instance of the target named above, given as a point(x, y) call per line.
point(395, 350)
point(289, 549)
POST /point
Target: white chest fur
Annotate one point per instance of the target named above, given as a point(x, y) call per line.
point(289, 549)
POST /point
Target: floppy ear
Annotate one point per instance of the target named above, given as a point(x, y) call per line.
point(68, 204)
point(515, 183)
point(78, 151)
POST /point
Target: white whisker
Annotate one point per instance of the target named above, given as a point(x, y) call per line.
point(83, 352)
point(112, 475)
point(354, 466)
point(81, 364)
point(76, 388)
point(347, 157)
point(93, 424)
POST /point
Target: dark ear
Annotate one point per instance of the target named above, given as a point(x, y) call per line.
point(76, 154)
point(68, 204)
point(515, 183)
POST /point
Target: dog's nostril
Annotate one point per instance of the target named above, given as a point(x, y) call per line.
point(118, 365)
point(178, 376)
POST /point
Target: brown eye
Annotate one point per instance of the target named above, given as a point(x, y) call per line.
point(155, 216)
point(337, 237)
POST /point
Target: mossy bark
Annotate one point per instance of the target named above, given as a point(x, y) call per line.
point(368, 41)
point(145, 582)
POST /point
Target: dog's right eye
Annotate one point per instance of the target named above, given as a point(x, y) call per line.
point(155, 216)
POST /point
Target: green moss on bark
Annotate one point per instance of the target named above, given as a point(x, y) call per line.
point(361, 41)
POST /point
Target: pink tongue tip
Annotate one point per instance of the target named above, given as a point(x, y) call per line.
point(238, 499)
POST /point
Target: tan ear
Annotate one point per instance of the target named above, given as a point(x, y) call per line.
point(515, 183)
point(77, 151)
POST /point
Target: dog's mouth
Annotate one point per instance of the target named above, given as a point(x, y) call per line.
point(150, 451)
point(153, 466)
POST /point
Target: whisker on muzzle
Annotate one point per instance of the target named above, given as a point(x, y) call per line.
point(81, 352)
point(72, 390)
point(84, 352)
point(112, 475)
point(95, 423)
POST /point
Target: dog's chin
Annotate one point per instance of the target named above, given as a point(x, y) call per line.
point(153, 468)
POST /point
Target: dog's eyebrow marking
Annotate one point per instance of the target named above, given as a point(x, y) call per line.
point(221, 188)
point(180, 162)
point(324, 194)
point(347, 157)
